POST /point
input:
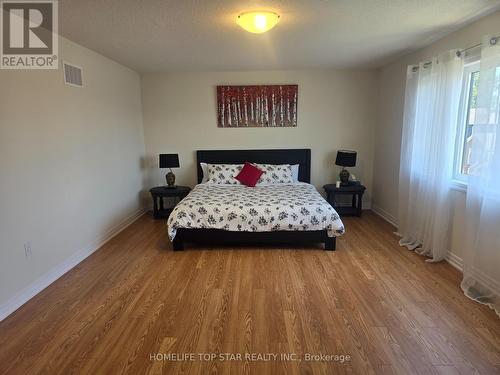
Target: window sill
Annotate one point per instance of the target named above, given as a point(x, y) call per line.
point(459, 186)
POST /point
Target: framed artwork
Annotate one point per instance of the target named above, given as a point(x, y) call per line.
point(261, 106)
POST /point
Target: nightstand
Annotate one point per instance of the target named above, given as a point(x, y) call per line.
point(355, 190)
point(160, 192)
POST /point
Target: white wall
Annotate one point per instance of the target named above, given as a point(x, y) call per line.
point(70, 166)
point(390, 120)
point(336, 109)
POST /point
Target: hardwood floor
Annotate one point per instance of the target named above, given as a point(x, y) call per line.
point(382, 305)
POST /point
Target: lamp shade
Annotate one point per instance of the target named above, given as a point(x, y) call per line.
point(169, 161)
point(258, 22)
point(346, 158)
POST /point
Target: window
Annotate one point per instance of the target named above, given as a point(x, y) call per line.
point(468, 104)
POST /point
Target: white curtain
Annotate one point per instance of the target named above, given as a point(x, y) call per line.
point(427, 151)
point(481, 268)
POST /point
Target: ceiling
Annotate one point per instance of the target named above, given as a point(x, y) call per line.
point(202, 35)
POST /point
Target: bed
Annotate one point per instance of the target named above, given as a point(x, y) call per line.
point(271, 214)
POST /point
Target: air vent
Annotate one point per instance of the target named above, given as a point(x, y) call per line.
point(73, 75)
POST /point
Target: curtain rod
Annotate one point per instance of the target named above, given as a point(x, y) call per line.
point(493, 41)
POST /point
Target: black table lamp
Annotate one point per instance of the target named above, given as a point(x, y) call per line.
point(345, 158)
point(169, 161)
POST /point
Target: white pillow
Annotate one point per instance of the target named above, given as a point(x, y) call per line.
point(204, 169)
point(295, 172)
point(275, 174)
point(223, 174)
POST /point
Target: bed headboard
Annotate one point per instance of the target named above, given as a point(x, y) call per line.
point(301, 156)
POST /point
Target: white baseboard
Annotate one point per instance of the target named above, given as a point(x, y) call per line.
point(454, 260)
point(485, 281)
point(451, 258)
point(385, 215)
point(45, 280)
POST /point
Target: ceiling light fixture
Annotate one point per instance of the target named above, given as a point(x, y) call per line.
point(258, 22)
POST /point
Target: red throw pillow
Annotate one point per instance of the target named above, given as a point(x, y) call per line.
point(249, 174)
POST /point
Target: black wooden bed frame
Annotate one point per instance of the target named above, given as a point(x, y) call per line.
point(277, 156)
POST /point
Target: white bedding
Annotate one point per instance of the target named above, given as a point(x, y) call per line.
point(266, 208)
